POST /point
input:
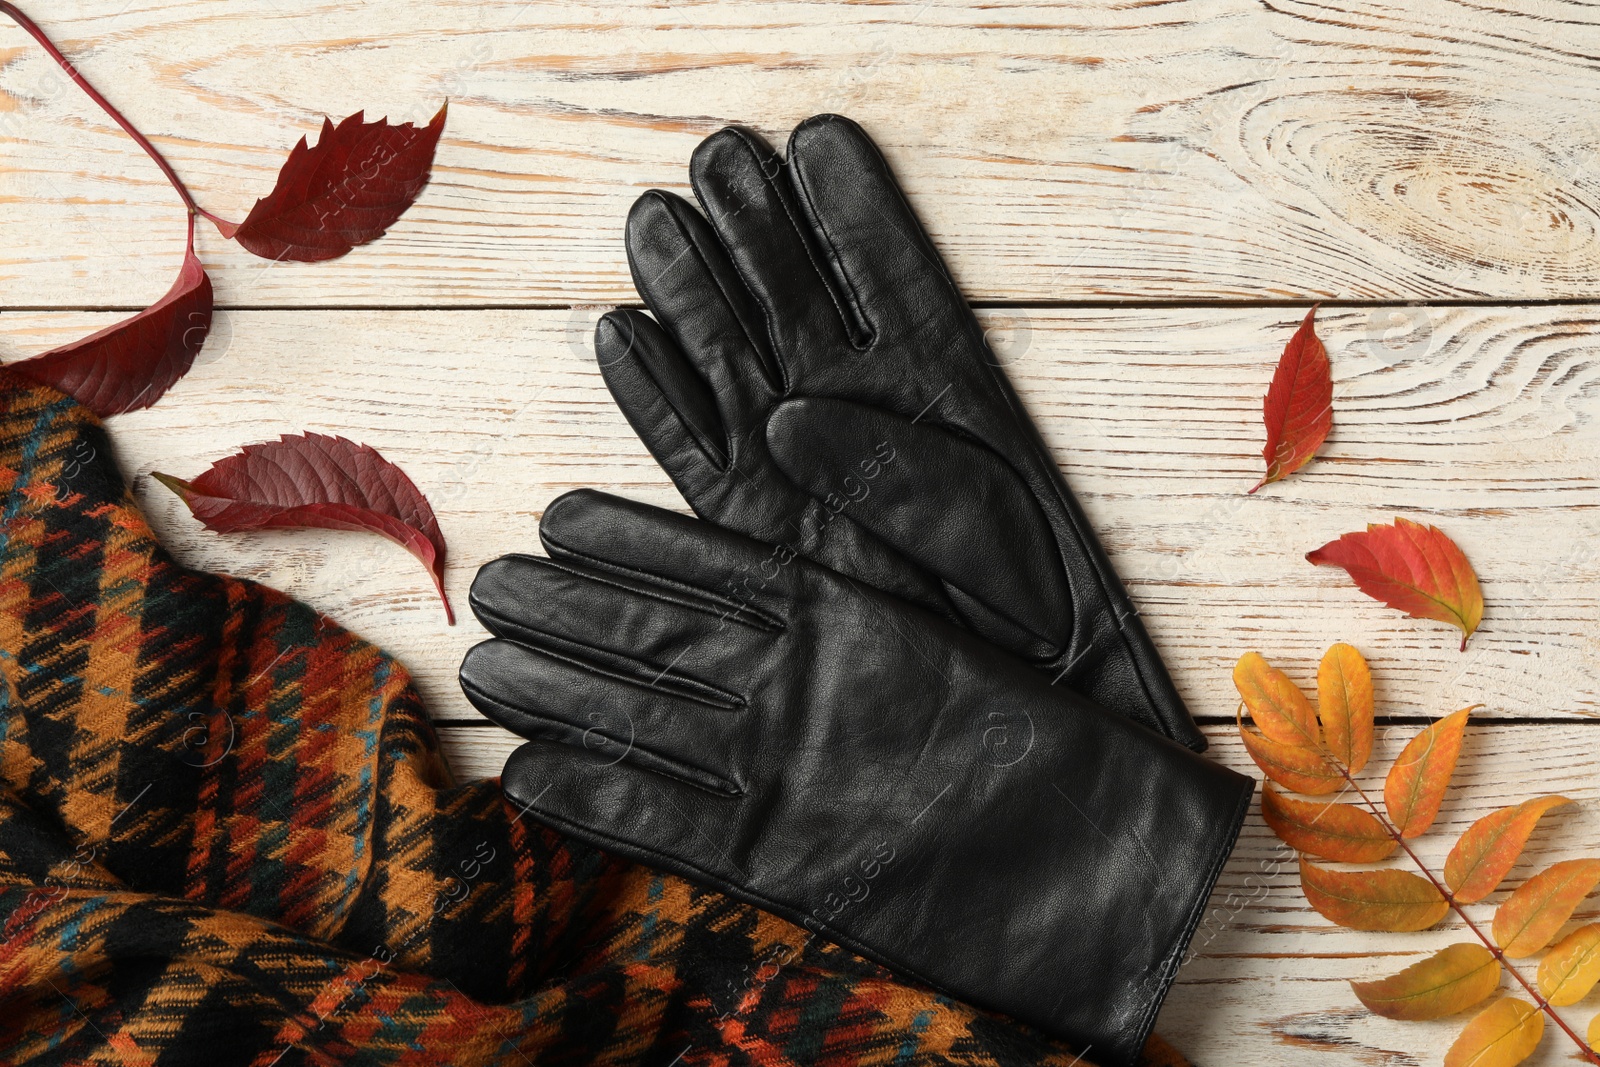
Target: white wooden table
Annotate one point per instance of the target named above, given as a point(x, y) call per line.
point(1141, 200)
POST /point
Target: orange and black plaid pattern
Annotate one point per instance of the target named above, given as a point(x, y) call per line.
point(227, 837)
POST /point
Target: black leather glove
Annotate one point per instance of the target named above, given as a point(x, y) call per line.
point(722, 709)
point(814, 378)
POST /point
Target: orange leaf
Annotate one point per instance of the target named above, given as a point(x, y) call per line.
point(1344, 705)
point(1276, 704)
point(1572, 968)
point(1332, 831)
point(1594, 1033)
point(1412, 568)
point(1451, 980)
point(1490, 847)
point(1501, 1035)
point(1530, 917)
point(1372, 900)
point(1301, 769)
point(1298, 408)
point(1417, 781)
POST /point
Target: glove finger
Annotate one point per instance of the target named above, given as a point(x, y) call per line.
point(664, 400)
point(683, 274)
point(627, 537)
point(871, 239)
point(951, 506)
point(740, 184)
point(538, 693)
point(576, 610)
point(621, 808)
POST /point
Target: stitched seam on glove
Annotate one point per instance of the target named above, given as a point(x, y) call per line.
point(767, 622)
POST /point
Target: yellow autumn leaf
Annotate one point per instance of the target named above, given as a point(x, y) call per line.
point(1324, 828)
point(1489, 849)
point(1304, 770)
point(1344, 706)
point(1453, 979)
point(1416, 783)
point(1277, 706)
point(1572, 967)
point(1530, 917)
point(1501, 1035)
point(1372, 900)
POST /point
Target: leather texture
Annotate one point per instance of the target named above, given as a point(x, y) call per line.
point(812, 377)
point(726, 710)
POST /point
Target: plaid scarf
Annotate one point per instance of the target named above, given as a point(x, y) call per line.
point(227, 837)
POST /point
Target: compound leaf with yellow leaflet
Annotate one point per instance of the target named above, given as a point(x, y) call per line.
point(1451, 980)
point(1372, 900)
point(1302, 769)
point(1344, 706)
point(1330, 830)
point(1572, 967)
point(1501, 1035)
point(1530, 917)
point(1489, 849)
point(1417, 781)
point(1277, 706)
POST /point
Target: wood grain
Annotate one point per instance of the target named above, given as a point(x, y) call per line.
point(1486, 425)
point(1146, 159)
point(1266, 979)
point(1188, 150)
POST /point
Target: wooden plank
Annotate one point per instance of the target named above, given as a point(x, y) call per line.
point(1488, 428)
point(1058, 151)
point(1265, 983)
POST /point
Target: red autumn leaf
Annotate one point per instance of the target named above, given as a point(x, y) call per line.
point(1298, 408)
point(130, 364)
point(1412, 568)
point(346, 191)
point(311, 480)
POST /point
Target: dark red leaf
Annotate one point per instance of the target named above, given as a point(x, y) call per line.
point(130, 364)
point(1298, 409)
point(324, 482)
point(346, 191)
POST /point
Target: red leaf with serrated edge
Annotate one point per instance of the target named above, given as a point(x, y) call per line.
point(1298, 409)
point(1412, 568)
point(312, 480)
point(130, 364)
point(345, 191)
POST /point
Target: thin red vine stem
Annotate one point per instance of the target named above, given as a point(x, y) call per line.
point(33, 30)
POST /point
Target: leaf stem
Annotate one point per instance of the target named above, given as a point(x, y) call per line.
point(33, 30)
point(1444, 891)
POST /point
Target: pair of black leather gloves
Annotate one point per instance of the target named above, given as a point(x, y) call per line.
point(888, 685)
